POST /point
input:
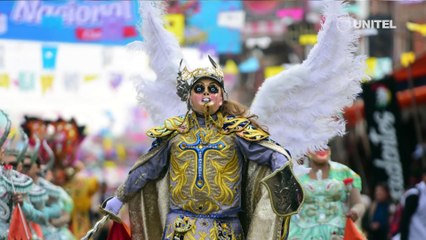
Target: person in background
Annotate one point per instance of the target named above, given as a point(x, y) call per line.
point(332, 193)
point(413, 221)
point(379, 213)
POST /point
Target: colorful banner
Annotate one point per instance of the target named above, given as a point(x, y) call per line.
point(49, 54)
point(202, 25)
point(115, 80)
point(176, 25)
point(26, 81)
point(91, 77)
point(71, 81)
point(250, 65)
point(115, 22)
point(46, 82)
point(384, 132)
point(4, 80)
point(106, 22)
point(295, 14)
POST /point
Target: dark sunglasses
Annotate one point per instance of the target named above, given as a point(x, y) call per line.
point(13, 164)
point(26, 167)
point(212, 88)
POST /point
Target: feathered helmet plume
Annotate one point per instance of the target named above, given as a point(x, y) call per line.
point(186, 78)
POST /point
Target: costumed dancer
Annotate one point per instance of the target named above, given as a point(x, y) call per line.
point(14, 188)
point(202, 177)
point(54, 202)
point(63, 144)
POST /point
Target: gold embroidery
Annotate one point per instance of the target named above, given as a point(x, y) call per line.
point(242, 127)
point(235, 124)
point(178, 175)
point(203, 235)
point(170, 125)
point(225, 175)
point(213, 232)
point(250, 133)
point(204, 166)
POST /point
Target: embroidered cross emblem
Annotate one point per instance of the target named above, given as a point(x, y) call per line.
point(200, 149)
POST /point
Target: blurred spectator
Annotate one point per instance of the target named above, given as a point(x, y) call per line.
point(378, 217)
point(413, 221)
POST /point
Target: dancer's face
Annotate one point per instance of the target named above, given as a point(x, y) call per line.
point(206, 96)
point(29, 168)
point(320, 157)
point(10, 160)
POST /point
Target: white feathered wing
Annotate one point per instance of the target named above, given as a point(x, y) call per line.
point(300, 106)
point(158, 97)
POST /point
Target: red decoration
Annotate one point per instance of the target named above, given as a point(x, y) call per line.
point(348, 181)
point(8, 167)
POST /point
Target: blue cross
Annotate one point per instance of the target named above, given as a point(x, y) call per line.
point(200, 149)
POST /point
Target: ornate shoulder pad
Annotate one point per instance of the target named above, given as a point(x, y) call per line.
point(243, 128)
point(170, 125)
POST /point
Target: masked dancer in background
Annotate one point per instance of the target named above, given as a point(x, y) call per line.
point(47, 197)
point(15, 187)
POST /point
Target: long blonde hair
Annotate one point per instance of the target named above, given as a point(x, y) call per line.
point(230, 107)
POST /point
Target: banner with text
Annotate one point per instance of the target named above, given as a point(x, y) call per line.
point(384, 131)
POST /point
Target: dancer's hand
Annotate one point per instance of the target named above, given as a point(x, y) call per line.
point(352, 214)
point(114, 205)
point(17, 198)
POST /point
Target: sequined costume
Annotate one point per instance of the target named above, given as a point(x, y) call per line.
point(21, 184)
point(58, 201)
point(206, 191)
point(323, 213)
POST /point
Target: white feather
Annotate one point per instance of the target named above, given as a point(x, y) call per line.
point(158, 97)
point(300, 106)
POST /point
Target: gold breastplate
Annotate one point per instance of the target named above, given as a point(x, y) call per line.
point(205, 172)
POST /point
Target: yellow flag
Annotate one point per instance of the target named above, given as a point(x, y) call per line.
point(417, 27)
point(176, 25)
point(46, 82)
point(230, 67)
point(89, 78)
point(371, 66)
point(4, 80)
point(307, 39)
point(407, 58)
point(273, 70)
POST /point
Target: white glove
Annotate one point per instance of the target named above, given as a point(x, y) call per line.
point(114, 205)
